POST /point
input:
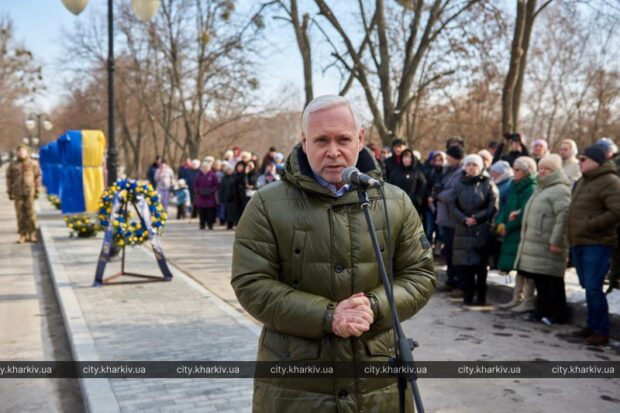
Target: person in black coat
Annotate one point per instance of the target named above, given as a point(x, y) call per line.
point(510, 149)
point(473, 206)
point(229, 195)
point(239, 189)
point(391, 163)
point(433, 172)
point(150, 174)
point(409, 177)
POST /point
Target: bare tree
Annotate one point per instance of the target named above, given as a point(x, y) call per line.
point(301, 28)
point(392, 85)
point(527, 12)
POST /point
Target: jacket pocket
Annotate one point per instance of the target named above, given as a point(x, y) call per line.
point(381, 345)
point(284, 347)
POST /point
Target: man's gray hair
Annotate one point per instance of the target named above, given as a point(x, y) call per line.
point(325, 102)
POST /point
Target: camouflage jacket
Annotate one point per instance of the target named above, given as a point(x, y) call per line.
point(23, 178)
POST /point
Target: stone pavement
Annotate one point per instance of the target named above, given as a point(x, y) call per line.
point(177, 320)
point(196, 317)
point(30, 322)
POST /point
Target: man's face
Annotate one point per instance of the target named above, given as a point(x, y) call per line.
point(332, 142)
point(398, 149)
point(452, 161)
point(586, 164)
point(22, 153)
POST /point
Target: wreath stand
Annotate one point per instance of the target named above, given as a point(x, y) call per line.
point(107, 247)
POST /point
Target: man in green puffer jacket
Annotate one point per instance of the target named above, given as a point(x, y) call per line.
point(303, 265)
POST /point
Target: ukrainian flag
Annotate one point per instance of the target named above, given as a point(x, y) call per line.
point(82, 181)
point(51, 168)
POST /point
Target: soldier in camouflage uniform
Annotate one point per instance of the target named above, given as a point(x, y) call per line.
point(23, 179)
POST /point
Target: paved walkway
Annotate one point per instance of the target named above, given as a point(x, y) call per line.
point(177, 320)
point(196, 317)
point(30, 323)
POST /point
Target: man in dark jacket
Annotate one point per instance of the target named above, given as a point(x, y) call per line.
point(391, 163)
point(593, 216)
point(303, 265)
point(614, 273)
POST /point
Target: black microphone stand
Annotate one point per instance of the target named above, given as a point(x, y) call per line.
point(404, 346)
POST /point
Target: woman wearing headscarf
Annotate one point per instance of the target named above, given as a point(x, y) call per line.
point(473, 206)
point(501, 174)
point(543, 248)
point(409, 177)
point(509, 222)
point(570, 164)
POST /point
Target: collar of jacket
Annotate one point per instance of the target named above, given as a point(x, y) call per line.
point(297, 171)
point(554, 178)
point(605, 168)
point(570, 161)
point(470, 180)
point(524, 183)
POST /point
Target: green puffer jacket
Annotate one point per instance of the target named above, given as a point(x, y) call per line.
point(518, 195)
point(543, 225)
point(594, 213)
point(298, 251)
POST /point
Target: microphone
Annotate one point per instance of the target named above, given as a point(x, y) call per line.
point(353, 176)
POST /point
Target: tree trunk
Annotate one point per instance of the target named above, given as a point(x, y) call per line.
point(303, 42)
point(516, 53)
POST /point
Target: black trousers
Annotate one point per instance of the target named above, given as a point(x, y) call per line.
point(181, 211)
point(551, 299)
point(207, 216)
point(474, 279)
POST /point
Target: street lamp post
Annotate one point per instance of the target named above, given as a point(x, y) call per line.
point(144, 9)
point(38, 124)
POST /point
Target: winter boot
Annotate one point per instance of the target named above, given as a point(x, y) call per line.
point(516, 294)
point(529, 286)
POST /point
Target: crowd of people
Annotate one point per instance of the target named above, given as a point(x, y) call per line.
point(215, 189)
point(531, 211)
point(505, 207)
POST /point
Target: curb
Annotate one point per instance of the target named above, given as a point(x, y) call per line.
point(97, 393)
